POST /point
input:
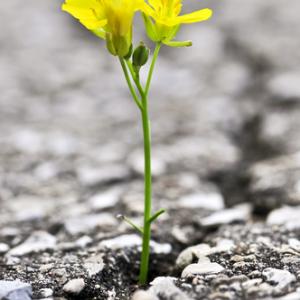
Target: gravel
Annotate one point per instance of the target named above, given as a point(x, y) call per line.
point(225, 135)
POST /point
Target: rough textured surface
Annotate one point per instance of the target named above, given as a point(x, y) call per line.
point(226, 158)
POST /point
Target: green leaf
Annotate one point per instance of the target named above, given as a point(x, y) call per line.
point(178, 44)
point(134, 226)
point(156, 215)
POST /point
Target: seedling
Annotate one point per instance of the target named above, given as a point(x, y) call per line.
point(112, 21)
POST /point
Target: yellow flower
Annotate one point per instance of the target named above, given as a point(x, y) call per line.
point(162, 19)
point(108, 19)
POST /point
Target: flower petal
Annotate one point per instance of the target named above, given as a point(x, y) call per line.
point(197, 16)
point(88, 12)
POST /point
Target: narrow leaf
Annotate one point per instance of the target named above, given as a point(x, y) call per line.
point(134, 226)
point(178, 44)
point(156, 215)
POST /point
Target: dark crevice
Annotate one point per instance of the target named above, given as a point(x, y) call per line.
point(234, 183)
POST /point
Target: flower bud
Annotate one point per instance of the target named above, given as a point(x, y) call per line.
point(140, 55)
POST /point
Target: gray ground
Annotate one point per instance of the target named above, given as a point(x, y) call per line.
point(226, 158)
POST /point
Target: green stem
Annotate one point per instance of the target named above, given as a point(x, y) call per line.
point(147, 175)
point(148, 194)
point(131, 88)
point(135, 78)
point(155, 55)
point(143, 105)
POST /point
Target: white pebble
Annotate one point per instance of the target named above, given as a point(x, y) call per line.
point(74, 286)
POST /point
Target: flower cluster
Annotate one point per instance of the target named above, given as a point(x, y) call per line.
point(112, 20)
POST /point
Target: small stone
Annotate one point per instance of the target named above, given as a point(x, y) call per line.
point(242, 266)
point(239, 278)
point(210, 201)
point(292, 260)
point(187, 180)
point(60, 272)
point(91, 176)
point(239, 213)
point(275, 182)
point(46, 171)
point(74, 286)
point(105, 200)
point(287, 216)
point(111, 295)
point(143, 295)
point(285, 85)
point(39, 241)
point(251, 283)
point(202, 268)
point(159, 248)
point(3, 248)
point(28, 141)
point(30, 270)
point(61, 144)
point(221, 296)
point(282, 278)
point(136, 162)
point(237, 258)
point(180, 234)
point(87, 223)
point(254, 274)
point(161, 279)
point(291, 296)
point(15, 290)
point(94, 265)
point(122, 241)
point(133, 202)
point(224, 288)
point(30, 208)
point(200, 251)
point(224, 245)
point(9, 232)
point(164, 288)
point(67, 246)
point(186, 256)
point(200, 289)
point(12, 261)
point(46, 268)
point(45, 293)
point(134, 240)
point(83, 241)
point(294, 244)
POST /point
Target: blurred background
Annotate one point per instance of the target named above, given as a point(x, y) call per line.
point(224, 112)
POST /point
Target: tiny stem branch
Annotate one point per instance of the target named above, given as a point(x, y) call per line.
point(156, 215)
point(131, 88)
point(135, 78)
point(128, 221)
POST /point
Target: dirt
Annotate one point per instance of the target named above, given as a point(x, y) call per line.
point(225, 127)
